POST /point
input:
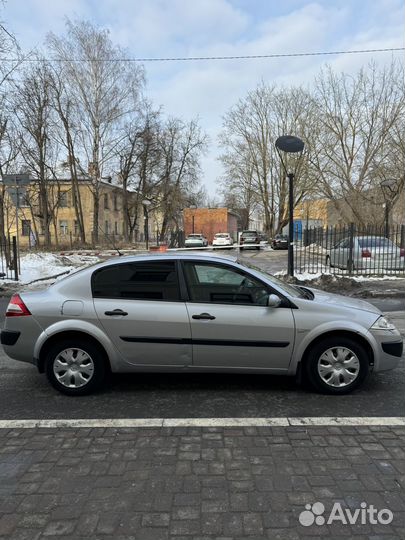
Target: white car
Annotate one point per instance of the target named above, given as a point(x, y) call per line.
point(196, 240)
point(222, 239)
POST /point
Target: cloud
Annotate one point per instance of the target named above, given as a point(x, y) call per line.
point(223, 27)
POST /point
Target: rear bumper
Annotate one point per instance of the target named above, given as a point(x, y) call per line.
point(9, 337)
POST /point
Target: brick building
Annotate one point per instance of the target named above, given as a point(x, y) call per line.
point(210, 221)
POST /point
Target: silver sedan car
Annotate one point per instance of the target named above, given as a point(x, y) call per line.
point(369, 254)
point(199, 314)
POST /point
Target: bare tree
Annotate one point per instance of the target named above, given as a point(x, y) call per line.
point(359, 138)
point(67, 134)
point(138, 160)
point(33, 117)
point(103, 86)
point(251, 164)
point(181, 146)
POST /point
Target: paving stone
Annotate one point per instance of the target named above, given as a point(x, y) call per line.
point(197, 483)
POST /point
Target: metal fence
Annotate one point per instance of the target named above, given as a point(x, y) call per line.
point(9, 266)
point(350, 250)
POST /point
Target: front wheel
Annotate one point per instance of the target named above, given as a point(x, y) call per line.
point(337, 365)
point(75, 367)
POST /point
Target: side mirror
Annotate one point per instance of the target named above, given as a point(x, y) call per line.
point(273, 301)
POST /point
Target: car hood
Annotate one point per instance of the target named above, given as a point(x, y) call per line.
point(325, 297)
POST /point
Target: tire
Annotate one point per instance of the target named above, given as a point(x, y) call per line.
point(258, 247)
point(341, 380)
point(241, 248)
point(87, 359)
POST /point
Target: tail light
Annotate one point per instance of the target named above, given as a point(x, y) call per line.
point(402, 252)
point(16, 307)
point(365, 253)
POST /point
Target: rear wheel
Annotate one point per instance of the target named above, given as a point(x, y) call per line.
point(75, 367)
point(337, 365)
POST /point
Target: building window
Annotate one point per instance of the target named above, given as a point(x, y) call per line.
point(116, 228)
point(23, 198)
point(76, 227)
point(63, 199)
point(106, 227)
point(106, 202)
point(26, 227)
point(63, 227)
point(115, 202)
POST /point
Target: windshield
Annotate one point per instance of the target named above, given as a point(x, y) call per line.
point(194, 236)
point(291, 290)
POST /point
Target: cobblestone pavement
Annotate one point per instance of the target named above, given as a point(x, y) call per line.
point(199, 483)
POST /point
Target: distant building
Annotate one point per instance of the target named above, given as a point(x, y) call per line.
point(64, 227)
point(210, 221)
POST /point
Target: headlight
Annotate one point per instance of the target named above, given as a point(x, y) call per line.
point(383, 323)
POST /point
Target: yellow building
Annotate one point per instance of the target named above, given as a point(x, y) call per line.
point(64, 229)
point(314, 212)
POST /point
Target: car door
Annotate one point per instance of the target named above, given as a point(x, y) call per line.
point(231, 324)
point(138, 305)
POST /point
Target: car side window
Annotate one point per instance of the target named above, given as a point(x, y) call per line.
point(217, 284)
point(156, 280)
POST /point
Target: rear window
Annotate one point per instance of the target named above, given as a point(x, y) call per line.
point(221, 235)
point(156, 280)
point(375, 242)
point(194, 236)
point(249, 233)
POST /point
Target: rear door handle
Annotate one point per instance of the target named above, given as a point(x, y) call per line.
point(116, 312)
point(204, 316)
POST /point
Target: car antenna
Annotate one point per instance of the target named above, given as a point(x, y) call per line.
point(110, 241)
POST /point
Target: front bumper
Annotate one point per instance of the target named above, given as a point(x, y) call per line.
point(388, 348)
point(395, 348)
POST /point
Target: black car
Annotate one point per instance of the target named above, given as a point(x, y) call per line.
point(249, 239)
point(280, 241)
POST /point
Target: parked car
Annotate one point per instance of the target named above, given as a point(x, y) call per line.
point(280, 241)
point(196, 240)
point(195, 313)
point(369, 253)
point(249, 239)
point(222, 239)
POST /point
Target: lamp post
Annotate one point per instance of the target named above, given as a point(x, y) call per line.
point(193, 207)
point(389, 189)
point(146, 203)
point(290, 145)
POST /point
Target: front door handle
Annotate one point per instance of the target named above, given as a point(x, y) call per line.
point(204, 317)
point(115, 313)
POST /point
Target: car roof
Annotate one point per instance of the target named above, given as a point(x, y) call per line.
point(169, 256)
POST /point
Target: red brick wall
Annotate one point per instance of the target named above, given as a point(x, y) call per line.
point(208, 221)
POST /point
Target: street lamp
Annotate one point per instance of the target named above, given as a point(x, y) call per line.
point(193, 207)
point(146, 203)
point(389, 189)
point(290, 145)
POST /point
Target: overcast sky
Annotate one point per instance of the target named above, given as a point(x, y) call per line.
point(156, 28)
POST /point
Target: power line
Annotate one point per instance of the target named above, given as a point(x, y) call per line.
point(202, 58)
